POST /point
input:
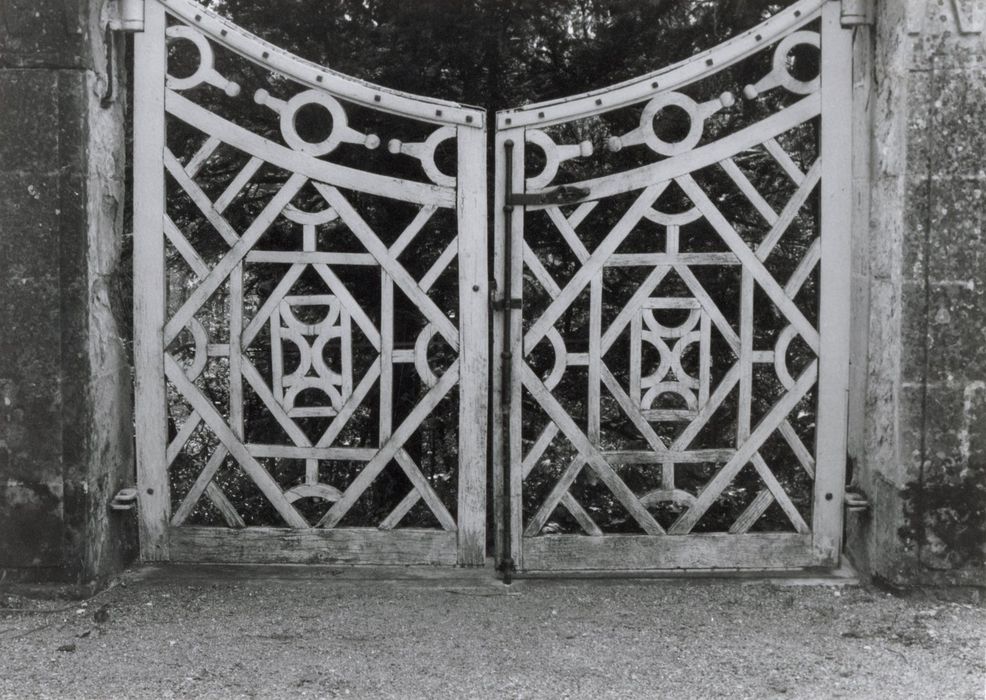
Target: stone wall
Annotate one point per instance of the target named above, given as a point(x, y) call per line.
point(65, 397)
point(920, 438)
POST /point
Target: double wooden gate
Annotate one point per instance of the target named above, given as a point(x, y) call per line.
point(669, 310)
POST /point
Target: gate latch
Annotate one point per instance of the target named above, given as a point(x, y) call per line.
point(566, 194)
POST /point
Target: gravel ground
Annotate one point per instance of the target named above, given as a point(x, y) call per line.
point(213, 632)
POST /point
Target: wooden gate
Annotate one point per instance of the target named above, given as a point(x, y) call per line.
point(303, 393)
point(674, 311)
point(671, 309)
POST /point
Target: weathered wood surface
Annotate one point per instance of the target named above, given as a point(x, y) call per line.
point(339, 546)
point(642, 552)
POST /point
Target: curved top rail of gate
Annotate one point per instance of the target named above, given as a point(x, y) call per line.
point(666, 79)
point(236, 39)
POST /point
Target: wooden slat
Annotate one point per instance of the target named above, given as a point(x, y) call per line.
point(304, 165)
point(540, 273)
point(389, 449)
point(784, 160)
point(589, 453)
point(234, 257)
point(187, 428)
point(237, 184)
point(653, 259)
point(201, 156)
point(804, 269)
point(216, 423)
point(440, 265)
point(836, 286)
point(351, 404)
point(750, 261)
point(751, 514)
point(395, 516)
point(790, 211)
point(768, 424)
point(150, 425)
point(800, 112)
point(222, 504)
point(267, 545)
point(749, 190)
point(401, 277)
point(593, 408)
point(425, 490)
point(200, 199)
point(745, 404)
point(267, 308)
point(185, 248)
point(592, 266)
point(644, 553)
point(473, 316)
point(202, 481)
point(412, 230)
point(668, 78)
point(349, 454)
point(285, 257)
point(355, 310)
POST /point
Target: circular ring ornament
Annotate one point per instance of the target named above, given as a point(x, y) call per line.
point(206, 72)
point(289, 112)
point(780, 75)
point(425, 153)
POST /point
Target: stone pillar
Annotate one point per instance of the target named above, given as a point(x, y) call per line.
point(920, 450)
point(65, 379)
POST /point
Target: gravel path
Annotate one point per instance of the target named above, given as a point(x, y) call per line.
point(201, 632)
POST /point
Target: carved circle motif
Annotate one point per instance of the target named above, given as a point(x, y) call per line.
point(697, 114)
point(554, 155)
point(206, 72)
point(780, 74)
point(340, 133)
point(425, 152)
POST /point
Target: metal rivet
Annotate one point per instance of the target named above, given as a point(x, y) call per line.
point(599, 103)
point(468, 119)
point(150, 492)
point(508, 121)
point(828, 497)
point(540, 115)
point(759, 37)
point(655, 85)
point(266, 54)
point(797, 13)
point(475, 288)
point(319, 78)
point(708, 61)
point(438, 112)
point(198, 18)
point(376, 98)
point(223, 32)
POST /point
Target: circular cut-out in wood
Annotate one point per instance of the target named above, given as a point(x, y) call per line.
point(205, 72)
point(780, 74)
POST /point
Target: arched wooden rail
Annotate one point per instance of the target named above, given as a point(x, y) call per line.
point(283, 337)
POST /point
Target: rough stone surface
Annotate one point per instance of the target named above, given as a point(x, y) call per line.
point(927, 293)
point(65, 442)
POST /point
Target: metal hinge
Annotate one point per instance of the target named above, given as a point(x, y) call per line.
point(126, 499)
point(501, 304)
point(127, 16)
point(856, 502)
point(566, 194)
point(858, 12)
